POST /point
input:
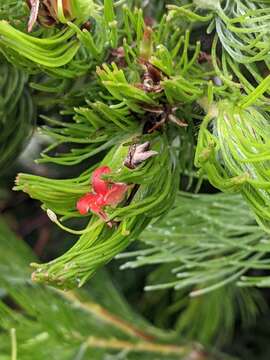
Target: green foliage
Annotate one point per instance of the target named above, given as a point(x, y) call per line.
point(204, 242)
point(111, 123)
point(191, 80)
point(16, 12)
point(16, 112)
point(211, 318)
point(242, 29)
point(39, 322)
point(50, 52)
point(98, 243)
point(203, 248)
point(119, 82)
point(233, 152)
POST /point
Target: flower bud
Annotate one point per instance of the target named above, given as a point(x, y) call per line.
point(146, 47)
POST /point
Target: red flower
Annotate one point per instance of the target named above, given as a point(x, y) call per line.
point(100, 186)
point(104, 193)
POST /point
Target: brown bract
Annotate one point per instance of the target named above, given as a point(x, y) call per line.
point(204, 57)
point(46, 13)
point(157, 116)
point(151, 78)
point(34, 7)
point(117, 56)
point(137, 154)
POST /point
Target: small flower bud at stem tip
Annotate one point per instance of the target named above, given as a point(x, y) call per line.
point(52, 216)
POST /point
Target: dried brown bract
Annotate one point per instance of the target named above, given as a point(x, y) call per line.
point(45, 12)
point(137, 154)
point(204, 57)
point(118, 56)
point(159, 115)
point(151, 78)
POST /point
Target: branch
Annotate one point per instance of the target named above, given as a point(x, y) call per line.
point(138, 347)
point(104, 315)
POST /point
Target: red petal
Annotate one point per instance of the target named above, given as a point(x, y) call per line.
point(91, 202)
point(104, 194)
point(100, 186)
point(83, 203)
point(116, 194)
